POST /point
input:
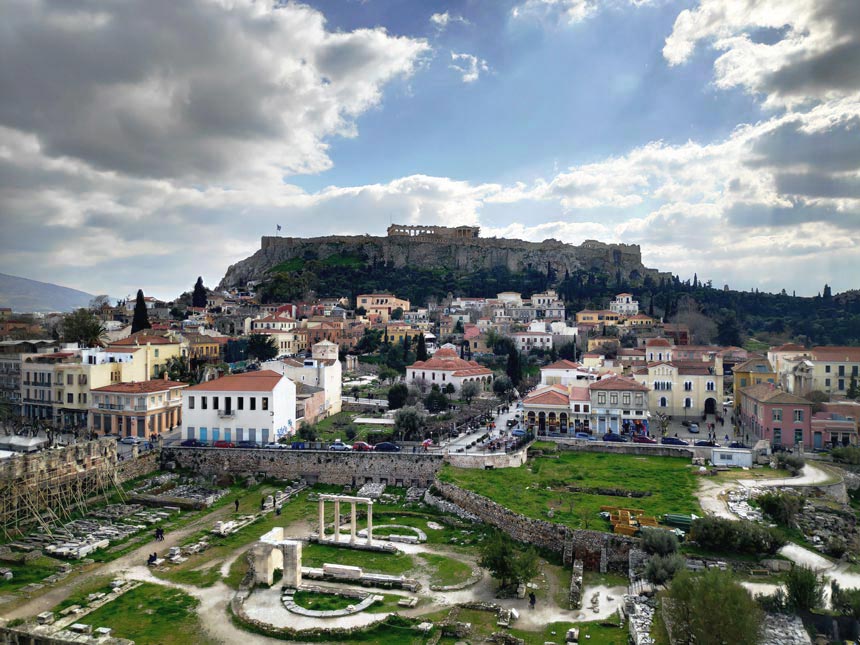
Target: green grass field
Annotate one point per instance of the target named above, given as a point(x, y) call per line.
point(152, 615)
point(444, 570)
point(542, 484)
point(395, 564)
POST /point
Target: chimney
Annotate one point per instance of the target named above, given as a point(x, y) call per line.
point(164, 376)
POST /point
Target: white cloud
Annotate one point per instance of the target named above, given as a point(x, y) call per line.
point(569, 11)
point(443, 20)
point(470, 67)
point(791, 51)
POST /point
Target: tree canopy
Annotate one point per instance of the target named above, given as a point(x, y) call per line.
point(199, 295)
point(262, 347)
point(84, 328)
point(140, 321)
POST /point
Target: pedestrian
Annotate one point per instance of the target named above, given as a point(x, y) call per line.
point(262, 503)
point(236, 504)
point(156, 535)
point(727, 437)
point(532, 599)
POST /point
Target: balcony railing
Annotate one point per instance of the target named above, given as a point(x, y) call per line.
point(111, 406)
point(140, 408)
point(226, 414)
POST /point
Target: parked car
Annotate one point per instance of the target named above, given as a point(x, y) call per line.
point(519, 432)
point(674, 441)
point(192, 443)
point(694, 428)
point(111, 436)
point(510, 423)
point(738, 444)
point(130, 441)
point(386, 446)
point(611, 436)
point(585, 435)
point(643, 438)
point(362, 446)
point(298, 445)
point(707, 444)
point(224, 444)
point(274, 445)
point(247, 444)
point(340, 446)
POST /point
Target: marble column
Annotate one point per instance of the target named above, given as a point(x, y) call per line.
point(352, 524)
point(370, 522)
point(322, 519)
point(337, 520)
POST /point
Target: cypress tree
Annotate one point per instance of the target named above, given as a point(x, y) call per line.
point(198, 297)
point(141, 316)
point(421, 349)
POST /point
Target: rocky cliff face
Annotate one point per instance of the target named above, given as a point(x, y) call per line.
point(443, 252)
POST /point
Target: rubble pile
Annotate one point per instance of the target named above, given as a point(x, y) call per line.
point(640, 612)
point(738, 503)
point(371, 490)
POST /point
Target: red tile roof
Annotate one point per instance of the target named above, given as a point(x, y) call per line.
point(657, 342)
point(788, 347)
point(836, 354)
point(262, 381)
point(769, 393)
point(140, 340)
point(446, 360)
point(618, 383)
point(562, 364)
point(142, 387)
point(551, 395)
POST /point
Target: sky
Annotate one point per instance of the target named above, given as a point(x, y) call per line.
point(145, 143)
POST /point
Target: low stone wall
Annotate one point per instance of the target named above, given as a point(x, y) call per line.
point(598, 551)
point(323, 466)
point(644, 449)
point(488, 461)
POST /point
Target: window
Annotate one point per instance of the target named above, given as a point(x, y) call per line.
point(69, 379)
point(190, 402)
point(265, 405)
point(156, 353)
point(613, 398)
point(777, 414)
point(203, 403)
point(798, 437)
point(688, 402)
point(743, 382)
point(240, 403)
point(725, 457)
point(625, 398)
point(827, 382)
point(710, 386)
point(662, 401)
point(777, 436)
point(601, 398)
point(640, 398)
point(798, 416)
point(688, 386)
point(841, 370)
point(827, 369)
point(585, 408)
point(841, 384)
point(253, 401)
point(97, 422)
point(214, 402)
point(70, 398)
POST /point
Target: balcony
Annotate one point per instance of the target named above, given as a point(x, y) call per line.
point(226, 414)
point(111, 406)
point(140, 408)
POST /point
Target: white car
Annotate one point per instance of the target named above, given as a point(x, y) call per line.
point(728, 403)
point(131, 441)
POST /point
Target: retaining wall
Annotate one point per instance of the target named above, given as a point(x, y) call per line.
point(597, 551)
point(491, 460)
point(132, 468)
point(323, 466)
point(654, 450)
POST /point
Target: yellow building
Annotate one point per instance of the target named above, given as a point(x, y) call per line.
point(157, 350)
point(596, 343)
point(380, 305)
point(397, 333)
point(752, 372)
point(601, 316)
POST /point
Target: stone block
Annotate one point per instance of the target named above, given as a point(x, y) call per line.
point(342, 571)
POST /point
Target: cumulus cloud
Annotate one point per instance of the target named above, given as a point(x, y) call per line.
point(470, 67)
point(791, 51)
point(198, 90)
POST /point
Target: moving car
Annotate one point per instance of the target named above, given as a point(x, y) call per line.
point(361, 446)
point(694, 428)
point(585, 435)
point(611, 436)
point(247, 444)
point(707, 444)
point(340, 446)
point(518, 432)
point(738, 444)
point(192, 443)
point(386, 446)
point(674, 441)
point(642, 438)
point(224, 444)
point(130, 441)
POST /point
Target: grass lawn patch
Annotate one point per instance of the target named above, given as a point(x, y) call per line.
point(395, 564)
point(598, 634)
point(594, 578)
point(26, 573)
point(541, 485)
point(95, 584)
point(152, 615)
point(237, 572)
point(198, 577)
point(322, 601)
point(445, 571)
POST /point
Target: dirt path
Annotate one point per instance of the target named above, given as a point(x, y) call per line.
point(63, 590)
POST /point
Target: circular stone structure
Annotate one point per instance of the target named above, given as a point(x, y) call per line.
point(421, 535)
point(363, 602)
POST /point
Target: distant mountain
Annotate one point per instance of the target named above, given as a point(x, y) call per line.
point(25, 295)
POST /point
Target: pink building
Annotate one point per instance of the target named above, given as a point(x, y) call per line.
point(767, 412)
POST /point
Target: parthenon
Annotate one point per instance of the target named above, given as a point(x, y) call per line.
point(405, 230)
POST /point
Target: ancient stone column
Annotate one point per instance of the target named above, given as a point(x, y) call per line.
point(337, 520)
point(322, 519)
point(370, 522)
point(352, 524)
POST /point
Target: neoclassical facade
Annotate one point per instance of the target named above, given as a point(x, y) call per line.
point(446, 367)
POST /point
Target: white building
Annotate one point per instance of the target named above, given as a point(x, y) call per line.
point(618, 401)
point(624, 305)
point(564, 372)
point(446, 367)
point(321, 370)
point(254, 406)
point(528, 340)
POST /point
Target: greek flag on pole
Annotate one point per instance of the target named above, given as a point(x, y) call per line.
point(279, 227)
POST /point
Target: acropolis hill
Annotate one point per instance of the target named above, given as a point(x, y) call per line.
point(459, 248)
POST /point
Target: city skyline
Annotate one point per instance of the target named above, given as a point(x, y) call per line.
point(145, 144)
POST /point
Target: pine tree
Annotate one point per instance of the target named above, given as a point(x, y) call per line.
point(514, 369)
point(198, 297)
point(421, 349)
point(141, 316)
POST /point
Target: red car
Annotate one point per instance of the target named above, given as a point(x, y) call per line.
point(642, 438)
point(361, 446)
point(224, 444)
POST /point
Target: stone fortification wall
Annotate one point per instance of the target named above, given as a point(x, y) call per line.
point(633, 449)
point(597, 551)
point(446, 252)
point(490, 460)
point(73, 459)
point(327, 467)
point(133, 468)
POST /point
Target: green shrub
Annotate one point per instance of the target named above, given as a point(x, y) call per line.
point(781, 507)
point(659, 541)
point(726, 536)
point(846, 455)
point(660, 569)
point(792, 463)
point(804, 588)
